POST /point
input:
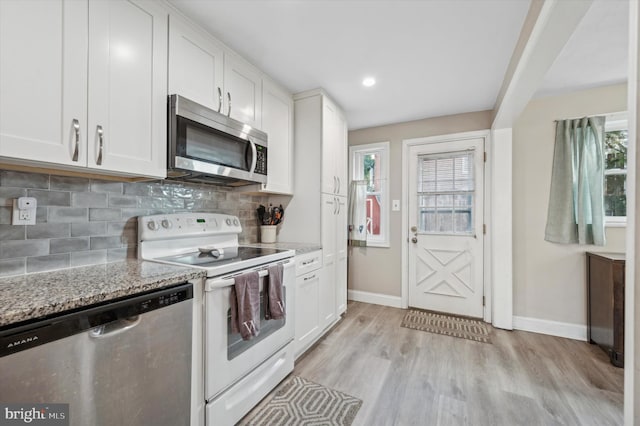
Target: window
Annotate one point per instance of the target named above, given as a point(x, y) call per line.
point(615, 170)
point(370, 163)
point(446, 192)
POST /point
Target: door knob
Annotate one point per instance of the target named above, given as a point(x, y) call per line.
point(414, 240)
point(414, 229)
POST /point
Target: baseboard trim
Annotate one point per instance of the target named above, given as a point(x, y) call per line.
point(375, 298)
point(552, 328)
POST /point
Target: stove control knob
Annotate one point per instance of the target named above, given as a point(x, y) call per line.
point(153, 225)
point(235, 222)
point(166, 223)
point(228, 222)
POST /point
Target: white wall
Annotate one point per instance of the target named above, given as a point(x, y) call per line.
point(549, 279)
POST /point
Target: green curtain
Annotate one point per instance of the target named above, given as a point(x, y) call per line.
point(576, 202)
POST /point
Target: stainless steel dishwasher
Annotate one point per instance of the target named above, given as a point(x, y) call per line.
point(126, 362)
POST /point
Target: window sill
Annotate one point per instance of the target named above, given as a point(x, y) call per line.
point(615, 224)
point(378, 244)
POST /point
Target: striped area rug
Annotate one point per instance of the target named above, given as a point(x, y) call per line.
point(448, 325)
point(301, 402)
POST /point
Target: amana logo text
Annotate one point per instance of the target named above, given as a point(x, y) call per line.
point(22, 341)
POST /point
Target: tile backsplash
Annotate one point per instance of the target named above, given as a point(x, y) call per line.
point(83, 221)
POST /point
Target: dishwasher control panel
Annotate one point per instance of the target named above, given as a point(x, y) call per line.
point(99, 320)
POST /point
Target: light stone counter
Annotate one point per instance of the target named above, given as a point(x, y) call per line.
point(31, 296)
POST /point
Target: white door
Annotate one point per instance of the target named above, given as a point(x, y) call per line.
point(328, 284)
point(128, 87)
point(446, 227)
point(43, 80)
point(341, 255)
point(195, 65)
point(277, 123)
point(329, 151)
point(243, 86)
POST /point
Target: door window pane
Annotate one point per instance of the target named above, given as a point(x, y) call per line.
point(446, 190)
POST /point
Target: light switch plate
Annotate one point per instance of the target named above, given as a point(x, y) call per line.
point(395, 205)
point(23, 216)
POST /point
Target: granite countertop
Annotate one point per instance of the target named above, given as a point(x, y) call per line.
point(26, 297)
point(300, 248)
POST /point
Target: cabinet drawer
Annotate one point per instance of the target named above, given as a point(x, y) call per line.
point(308, 262)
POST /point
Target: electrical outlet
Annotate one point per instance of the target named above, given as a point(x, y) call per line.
point(24, 211)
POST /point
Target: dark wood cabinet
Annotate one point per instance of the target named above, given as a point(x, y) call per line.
point(605, 299)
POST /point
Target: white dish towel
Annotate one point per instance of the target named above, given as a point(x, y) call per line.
point(358, 213)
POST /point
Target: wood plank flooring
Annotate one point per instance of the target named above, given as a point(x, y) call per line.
point(411, 377)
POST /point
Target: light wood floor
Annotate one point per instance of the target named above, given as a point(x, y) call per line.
point(410, 377)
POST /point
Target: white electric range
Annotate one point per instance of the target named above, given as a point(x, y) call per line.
point(237, 373)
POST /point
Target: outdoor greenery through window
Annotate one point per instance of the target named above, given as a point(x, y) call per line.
point(615, 173)
point(369, 163)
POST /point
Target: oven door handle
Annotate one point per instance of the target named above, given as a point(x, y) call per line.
point(228, 281)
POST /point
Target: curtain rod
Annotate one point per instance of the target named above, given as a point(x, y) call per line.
point(620, 115)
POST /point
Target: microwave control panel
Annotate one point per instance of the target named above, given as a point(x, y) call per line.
point(261, 160)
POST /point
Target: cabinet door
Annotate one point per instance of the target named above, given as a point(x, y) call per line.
point(127, 87)
point(277, 122)
point(329, 132)
point(195, 65)
point(307, 318)
point(341, 255)
point(242, 84)
point(328, 285)
point(43, 80)
point(341, 155)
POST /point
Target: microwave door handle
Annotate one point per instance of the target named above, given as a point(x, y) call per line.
point(254, 156)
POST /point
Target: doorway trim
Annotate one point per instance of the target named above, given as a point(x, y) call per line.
point(406, 144)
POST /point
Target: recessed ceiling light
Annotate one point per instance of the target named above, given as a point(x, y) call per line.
point(368, 82)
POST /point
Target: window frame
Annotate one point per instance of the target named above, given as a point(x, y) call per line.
point(616, 121)
point(356, 153)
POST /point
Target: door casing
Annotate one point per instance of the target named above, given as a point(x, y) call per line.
point(406, 144)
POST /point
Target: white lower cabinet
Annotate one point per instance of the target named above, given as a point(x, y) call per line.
point(308, 324)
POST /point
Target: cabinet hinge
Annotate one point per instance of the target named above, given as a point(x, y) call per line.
point(484, 229)
point(483, 301)
point(485, 156)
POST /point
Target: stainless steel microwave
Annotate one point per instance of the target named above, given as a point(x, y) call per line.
point(207, 146)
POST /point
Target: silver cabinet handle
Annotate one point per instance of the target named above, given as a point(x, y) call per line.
point(76, 132)
point(335, 207)
point(229, 104)
point(219, 99)
point(310, 278)
point(338, 191)
point(338, 202)
point(100, 144)
point(335, 184)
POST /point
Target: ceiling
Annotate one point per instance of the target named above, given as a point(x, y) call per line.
point(596, 54)
point(429, 57)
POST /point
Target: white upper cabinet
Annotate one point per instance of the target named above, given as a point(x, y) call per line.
point(243, 91)
point(341, 151)
point(127, 87)
point(334, 150)
point(83, 84)
point(204, 71)
point(196, 65)
point(43, 80)
point(277, 122)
